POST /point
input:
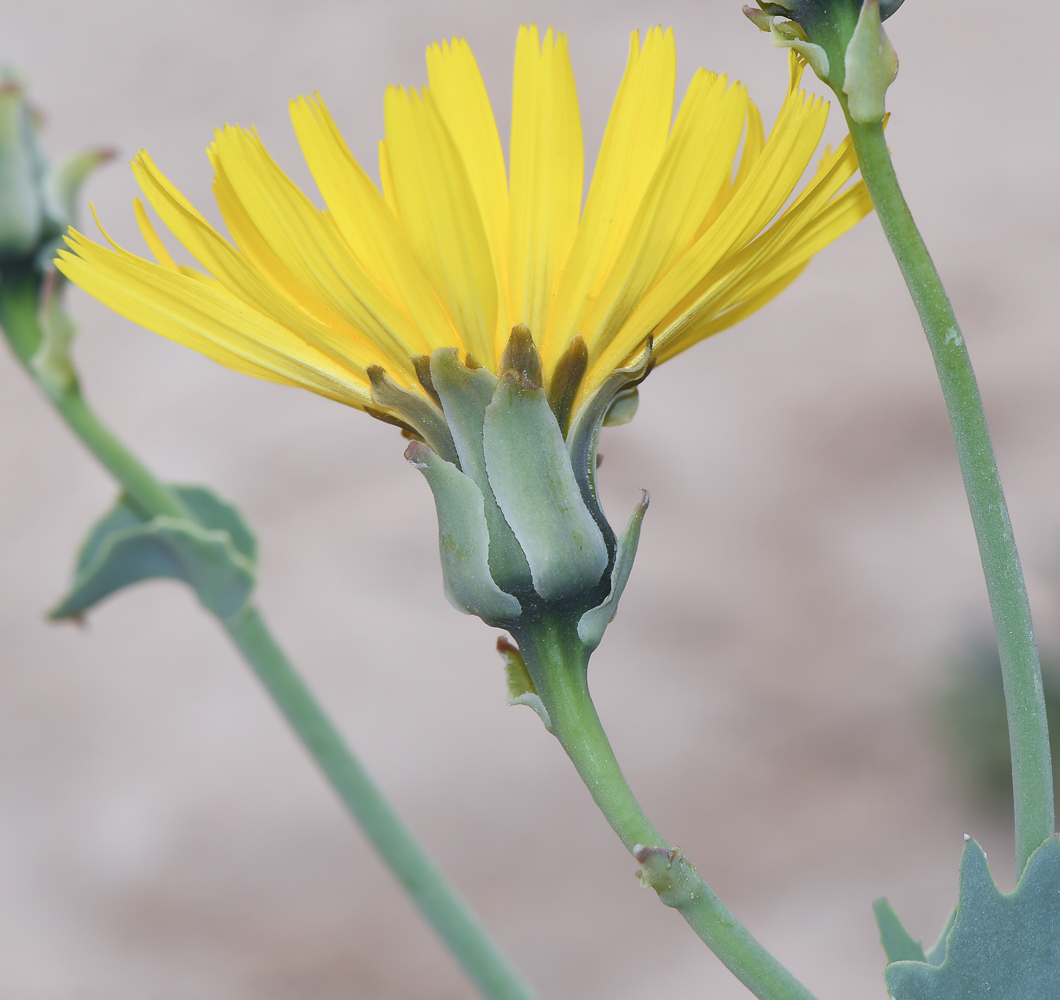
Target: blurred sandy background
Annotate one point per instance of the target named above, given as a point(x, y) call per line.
point(807, 568)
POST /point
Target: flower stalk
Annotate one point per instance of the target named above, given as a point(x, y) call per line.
point(557, 660)
point(852, 54)
point(1032, 777)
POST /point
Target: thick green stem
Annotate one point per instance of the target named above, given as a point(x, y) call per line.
point(1032, 776)
point(558, 668)
point(436, 898)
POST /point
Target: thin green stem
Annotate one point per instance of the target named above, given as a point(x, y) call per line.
point(558, 668)
point(433, 894)
point(151, 495)
point(437, 899)
point(1032, 776)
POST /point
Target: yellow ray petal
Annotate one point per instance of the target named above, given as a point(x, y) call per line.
point(547, 170)
point(772, 260)
point(440, 215)
point(715, 323)
point(672, 245)
point(368, 225)
point(769, 183)
point(158, 248)
point(386, 178)
point(753, 143)
point(462, 101)
point(632, 146)
point(697, 162)
point(238, 276)
point(287, 238)
point(206, 320)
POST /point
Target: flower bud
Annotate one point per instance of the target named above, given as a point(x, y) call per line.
point(21, 172)
point(843, 42)
point(37, 202)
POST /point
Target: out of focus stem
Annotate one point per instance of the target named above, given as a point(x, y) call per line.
point(437, 899)
point(1032, 776)
point(432, 892)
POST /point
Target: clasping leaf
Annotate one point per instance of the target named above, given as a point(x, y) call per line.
point(212, 551)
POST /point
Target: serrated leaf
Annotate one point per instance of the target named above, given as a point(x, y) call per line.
point(215, 554)
point(1001, 947)
point(937, 954)
point(898, 944)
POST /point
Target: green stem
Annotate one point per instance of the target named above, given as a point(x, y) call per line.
point(436, 898)
point(151, 495)
point(433, 894)
point(558, 669)
point(1032, 776)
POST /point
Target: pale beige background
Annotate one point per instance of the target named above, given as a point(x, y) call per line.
point(807, 567)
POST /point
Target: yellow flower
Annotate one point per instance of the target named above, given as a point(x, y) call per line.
point(684, 231)
point(487, 312)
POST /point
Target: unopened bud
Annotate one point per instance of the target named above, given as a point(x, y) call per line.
point(37, 202)
point(21, 173)
point(842, 41)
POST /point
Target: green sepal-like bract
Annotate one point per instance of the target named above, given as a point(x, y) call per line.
point(870, 65)
point(531, 475)
point(21, 170)
point(521, 690)
point(998, 946)
point(212, 551)
point(60, 187)
point(592, 624)
point(465, 393)
point(584, 435)
point(51, 362)
point(843, 42)
point(463, 539)
point(811, 12)
point(417, 413)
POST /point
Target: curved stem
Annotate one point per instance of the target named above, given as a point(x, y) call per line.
point(558, 669)
point(1032, 776)
point(437, 899)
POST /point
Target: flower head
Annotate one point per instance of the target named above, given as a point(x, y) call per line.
point(487, 311)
